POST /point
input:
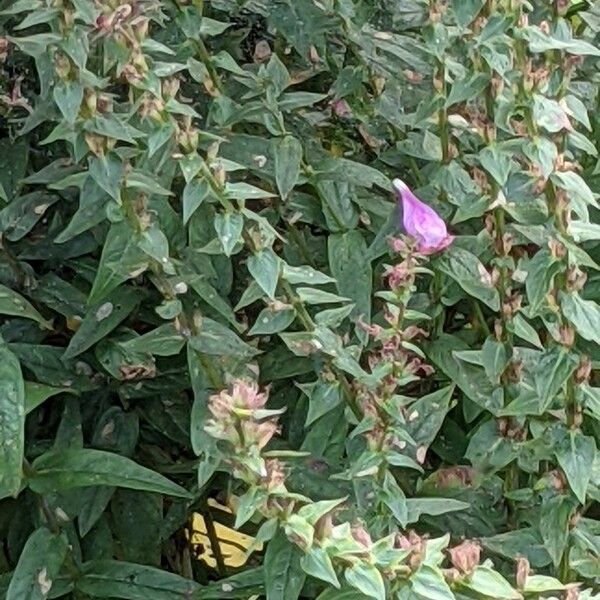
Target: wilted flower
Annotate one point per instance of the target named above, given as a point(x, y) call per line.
point(275, 476)
point(465, 556)
point(422, 222)
point(361, 535)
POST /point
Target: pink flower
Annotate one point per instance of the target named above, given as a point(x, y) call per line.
point(421, 222)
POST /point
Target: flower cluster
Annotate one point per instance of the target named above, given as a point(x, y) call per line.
point(239, 418)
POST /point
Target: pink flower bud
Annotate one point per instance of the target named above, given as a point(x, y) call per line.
point(422, 222)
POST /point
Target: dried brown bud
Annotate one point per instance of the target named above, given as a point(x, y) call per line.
point(104, 103)
point(170, 87)
point(3, 49)
point(96, 143)
point(490, 224)
point(313, 55)
point(584, 370)
point(413, 76)
point(275, 477)
point(566, 335)
point(572, 593)
point(62, 66)
point(576, 278)
point(557, 249)
point(262, 52)
point(523, 20)
point(557, 481)
point(465, 557)
point(497, 86)
point(361, 535)
point(451, 575)
point(522, 572)
point(507, 243)
point(561, 6)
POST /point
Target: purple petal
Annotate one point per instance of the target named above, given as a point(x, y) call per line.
point(421, 222)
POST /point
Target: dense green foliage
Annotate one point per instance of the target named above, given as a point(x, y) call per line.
point(206, 295)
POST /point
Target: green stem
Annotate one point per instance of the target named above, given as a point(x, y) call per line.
point(443, 118)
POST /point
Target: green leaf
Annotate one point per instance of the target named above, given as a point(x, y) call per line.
point(494, 358)
point(216, 339)
point(432, 506)
point(541, 270)
point(496, 162)
point(162, 341)
point(536, 584)
point(264, 267)
point(101, 319)
point(489, 583)
point(524, 542)
point(194, 193)
point(350, 265)
point(466, 11)
point(366, 579)
point(68, 96)
point(108, 172)
point(229, 227)
point(575, 185)
point(273, 321)
point(15, 305)
point(583, 314)
point(38, 566)
point(284, 577)
point(428, 583)
point(23, 213)
point(428, 413)
point(75, 468)
point(288, 158)
point(552, 369)
point(465, 89)
point(468, 271)
point(305, 274)
point(575, 454)
point(317, 563)
point(12, 422)
point(323, 397)
point(316, 296)
point(119, 579)
point(554, 518)
point(38, 393)
point(121, 259)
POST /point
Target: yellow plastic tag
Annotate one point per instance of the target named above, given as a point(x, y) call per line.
point(235, 547)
